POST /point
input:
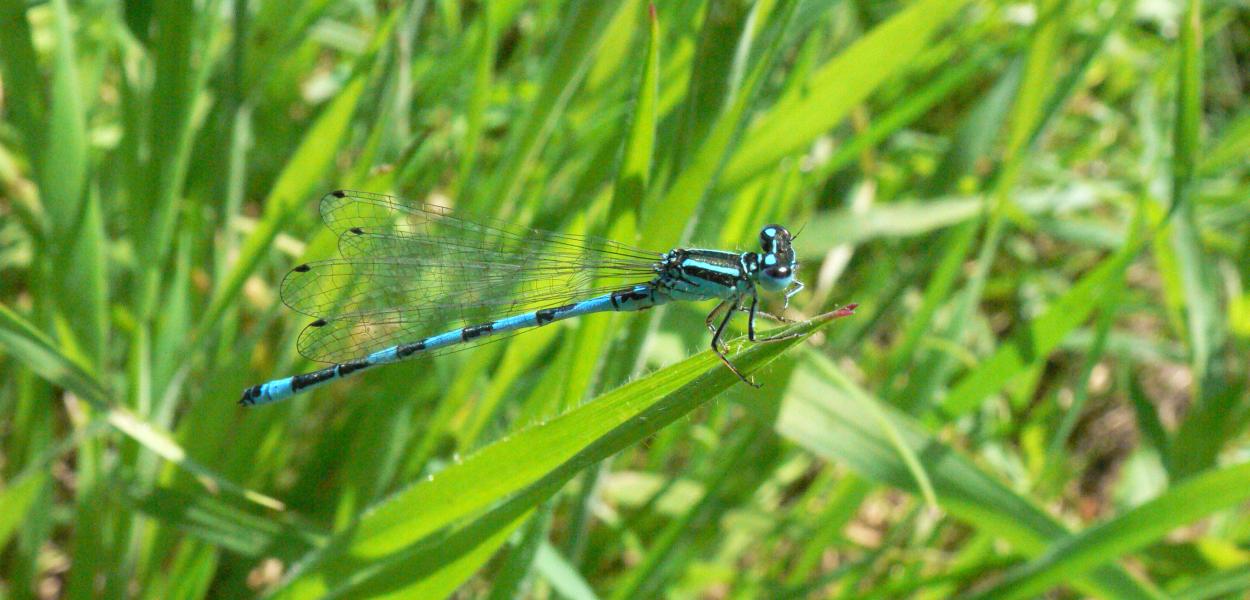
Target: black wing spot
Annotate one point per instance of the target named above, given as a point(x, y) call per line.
point(304, 268)
point(357, 230)
point(339, 194)
point(318, 323)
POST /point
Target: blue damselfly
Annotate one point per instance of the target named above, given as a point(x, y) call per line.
point(409, 270)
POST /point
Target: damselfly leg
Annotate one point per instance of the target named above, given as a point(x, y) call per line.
point(717, 343)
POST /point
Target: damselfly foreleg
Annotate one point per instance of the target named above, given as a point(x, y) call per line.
point(753, 311)
point(716, 343)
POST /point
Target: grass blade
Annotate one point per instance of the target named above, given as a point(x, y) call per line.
point(42, 357)
point(24, 94)
point(565, 71)
point(1198, 497)
point(824, 418)
point(294, 186)
point(562, 576)
point(666, 217)
point(837, 87)
point(538, 458)
point(17, 497)
point(1041, 336)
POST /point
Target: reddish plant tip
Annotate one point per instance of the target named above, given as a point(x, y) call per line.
point(845, 311)
point(651, 9)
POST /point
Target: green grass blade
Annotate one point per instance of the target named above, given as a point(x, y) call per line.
point(64, 169)
point(18, 497)
point(1231, 148)
point(633, 178)
point(223, 525)
point(43, 358)
point(911, 109)
point(561, 574)
point(180, 64)
point(888, 221)
point(972, 143)
point(1025, 118)
point(666, 216)
point(483, 80)
point(83, 279)
point(1072, 556)
point(456, 561)
point(1200, 306)
point(24, 92)
point(1187, 142)
point(1221, 584)
point(291, 193)
point(1059, 439)
point(634, 173)
point(1027, 114)
point(712, 83)
point(567, 67)
point(30, 346)
point(821, 416)
point(836, 87)
point(511, 579)
point(76, 239)
point(1202, 434)
point(1041, 336)
point(631, 184)
point(645, 580)
point(540, 457)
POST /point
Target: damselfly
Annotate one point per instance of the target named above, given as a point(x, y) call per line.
point(409, 270)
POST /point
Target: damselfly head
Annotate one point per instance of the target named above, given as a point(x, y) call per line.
point(777, 265)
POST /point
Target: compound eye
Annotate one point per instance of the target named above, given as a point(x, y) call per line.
point(767, 235)
point(781, 272)
point(770, 234)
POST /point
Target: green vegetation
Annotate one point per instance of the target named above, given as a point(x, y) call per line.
point(1040, 207)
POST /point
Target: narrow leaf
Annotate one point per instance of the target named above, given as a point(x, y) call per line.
point(542, 457)
point(1039, 337)
point(1106, 542)
point(835, 88)
point(820, 415)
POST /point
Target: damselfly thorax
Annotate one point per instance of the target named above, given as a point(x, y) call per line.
point(705, 274)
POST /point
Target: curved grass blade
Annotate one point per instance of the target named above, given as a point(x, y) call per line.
point(34, 350)
point(1072, 556)
point(223, 524)
point(823, 417)
point(419, 532)
point(1220, 584)
point(1038, 338)
point(837, 87)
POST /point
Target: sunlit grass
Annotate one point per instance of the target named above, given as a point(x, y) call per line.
point(1039, 207)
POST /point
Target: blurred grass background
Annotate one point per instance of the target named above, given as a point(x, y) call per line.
point(1041, 208)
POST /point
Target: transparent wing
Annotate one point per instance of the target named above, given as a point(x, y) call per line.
point(411, 270)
